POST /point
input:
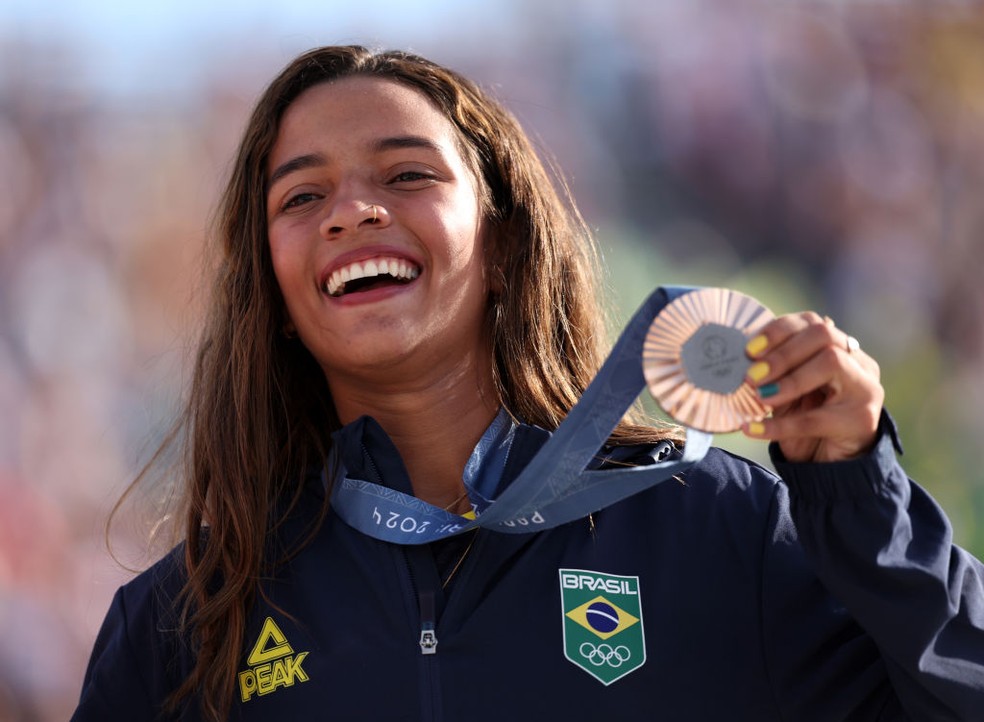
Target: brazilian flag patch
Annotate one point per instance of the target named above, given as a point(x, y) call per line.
point(603, 632)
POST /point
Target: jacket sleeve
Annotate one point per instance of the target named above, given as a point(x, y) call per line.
point(114, 687)
point(883, 548)
point(134, 659)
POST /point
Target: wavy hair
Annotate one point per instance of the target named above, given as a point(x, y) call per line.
point(259, 411)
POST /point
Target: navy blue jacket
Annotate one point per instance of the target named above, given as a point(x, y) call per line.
point(833, 594)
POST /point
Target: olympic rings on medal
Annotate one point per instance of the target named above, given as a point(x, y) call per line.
point(605, 654)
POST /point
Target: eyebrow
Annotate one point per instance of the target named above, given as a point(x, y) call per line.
point(301, 162)
point(312, 160)
point(405, 141)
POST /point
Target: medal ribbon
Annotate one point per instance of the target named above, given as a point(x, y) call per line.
point(555, 487)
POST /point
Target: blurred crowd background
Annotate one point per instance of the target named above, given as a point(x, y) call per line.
point(825, 155)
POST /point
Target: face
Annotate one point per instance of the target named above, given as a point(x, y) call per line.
point(375, 232)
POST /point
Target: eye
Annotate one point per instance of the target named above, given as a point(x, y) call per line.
point(411, 176)
point(298, 200)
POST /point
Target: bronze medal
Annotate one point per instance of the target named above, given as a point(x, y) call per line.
point(694, 359)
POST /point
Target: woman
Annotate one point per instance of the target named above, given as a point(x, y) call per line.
point(406, 300)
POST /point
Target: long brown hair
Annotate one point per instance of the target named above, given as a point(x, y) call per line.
point(259, 412)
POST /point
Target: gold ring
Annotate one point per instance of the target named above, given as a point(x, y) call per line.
point(375, 213)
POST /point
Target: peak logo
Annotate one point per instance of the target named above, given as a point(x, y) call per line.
point(272, 664)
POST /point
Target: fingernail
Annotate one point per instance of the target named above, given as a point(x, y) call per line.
point(768, 390)
point(757, 345)
point(756, 429)
point(758, 371)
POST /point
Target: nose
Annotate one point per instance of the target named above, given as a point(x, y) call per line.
point(351, 215)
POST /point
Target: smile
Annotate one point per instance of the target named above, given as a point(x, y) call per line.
point(364, 275)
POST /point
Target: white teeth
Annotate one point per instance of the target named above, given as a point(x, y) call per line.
point(394, 267)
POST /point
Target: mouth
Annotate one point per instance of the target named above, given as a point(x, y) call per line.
point(368, 275)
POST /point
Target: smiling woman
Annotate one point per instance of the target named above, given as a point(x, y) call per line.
point(384, 184)
point(404, 314)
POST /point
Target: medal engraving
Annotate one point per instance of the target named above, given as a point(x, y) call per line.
point(694, 359)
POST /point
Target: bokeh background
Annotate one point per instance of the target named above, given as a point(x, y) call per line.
point(825, 155)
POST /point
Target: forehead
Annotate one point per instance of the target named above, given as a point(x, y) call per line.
point(357, 111)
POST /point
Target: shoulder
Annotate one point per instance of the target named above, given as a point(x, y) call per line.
point(155, 591)
point(721, 492)
point(168, 571)
point(733, 491)
point(709, 527)
point(145, 613)
point(729, 472)
point(137, 657)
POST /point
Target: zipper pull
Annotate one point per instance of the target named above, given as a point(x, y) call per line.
point(428, 639)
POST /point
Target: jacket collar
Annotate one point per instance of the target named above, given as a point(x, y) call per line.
point(506, 447)
point(367, 453)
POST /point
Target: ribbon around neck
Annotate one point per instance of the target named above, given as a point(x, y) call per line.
point(555, 487)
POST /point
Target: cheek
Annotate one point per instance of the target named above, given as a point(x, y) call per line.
point(279, 269)
point(283, 253)
point(286, 272)
point(463, 229)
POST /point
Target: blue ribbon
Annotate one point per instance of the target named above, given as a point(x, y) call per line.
point(555, 487)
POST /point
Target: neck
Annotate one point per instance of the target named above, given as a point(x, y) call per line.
point(434, 422)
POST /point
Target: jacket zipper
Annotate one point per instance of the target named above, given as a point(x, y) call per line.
point(428, 622)
point(431, 709)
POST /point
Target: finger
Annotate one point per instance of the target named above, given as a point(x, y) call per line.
point(854, 350)
point(858, 355)
point(779, 330)
point(831, 433)
point(828, 379)
point(828, 370)
point(824, 390)
point(791, 340)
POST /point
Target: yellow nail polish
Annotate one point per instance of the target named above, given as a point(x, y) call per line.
point(757, 345)
point(758, 371)
point(756, 429)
